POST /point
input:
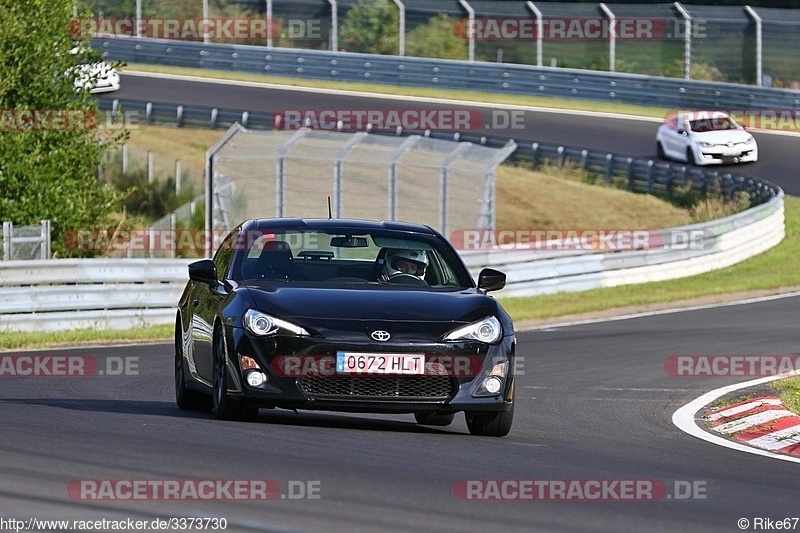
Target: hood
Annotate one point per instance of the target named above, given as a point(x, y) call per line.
point(402, 312)
point(723, 136)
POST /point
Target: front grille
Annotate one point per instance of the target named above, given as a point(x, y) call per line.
point(429, 388)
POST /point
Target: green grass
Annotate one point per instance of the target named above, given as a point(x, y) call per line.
point(426, 92)
point(17, 340)
point(789, 389)
point(773, 270)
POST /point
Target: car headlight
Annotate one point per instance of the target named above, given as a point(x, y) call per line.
point(487, 330)
point(750, 140)
point(263, 325)
point(705, 144)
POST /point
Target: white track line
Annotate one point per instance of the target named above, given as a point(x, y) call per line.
point(684, 418)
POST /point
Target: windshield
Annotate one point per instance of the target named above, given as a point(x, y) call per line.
point(712, 124)
point(351, 257)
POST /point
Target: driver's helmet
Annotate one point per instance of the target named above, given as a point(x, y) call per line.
point(412, 262)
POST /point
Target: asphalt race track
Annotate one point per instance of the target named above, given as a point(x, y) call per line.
point(778, 154)
point(594, 403)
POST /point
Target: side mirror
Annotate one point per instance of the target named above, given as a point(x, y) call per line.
point(203, 271)
point(491, 280)
point(683, 132)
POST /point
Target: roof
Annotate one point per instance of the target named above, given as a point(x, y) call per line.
point(335, 224)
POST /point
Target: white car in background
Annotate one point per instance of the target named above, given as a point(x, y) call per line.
point(99, 77)
point(705, 138)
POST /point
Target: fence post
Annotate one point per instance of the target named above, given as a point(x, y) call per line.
point(687, 44)
point(629, 162)
point(612, 37)
point(470, 27)
point(8, 231)
point(759, 43)
point(402, 28)
point(177, 177)
point(125, 158)
point(609, 167)
point(45, 248)
point(535, 155)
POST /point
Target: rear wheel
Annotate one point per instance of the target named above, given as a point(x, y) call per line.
point(186, 399)
point(225, 407)
point(434, 419)
point(490, 424)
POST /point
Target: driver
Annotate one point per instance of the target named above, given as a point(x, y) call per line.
point(405, 262)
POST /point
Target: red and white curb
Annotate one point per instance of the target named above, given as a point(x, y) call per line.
point(763, 426)
point(760, 422)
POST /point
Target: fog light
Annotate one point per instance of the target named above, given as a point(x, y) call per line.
point(255, 379)
point(493, 384)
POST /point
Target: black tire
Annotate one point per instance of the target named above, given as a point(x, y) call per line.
point(490, 424)
point(223, 406)
point(690, 157)
point(434, 419)
point(186, 399)
point(660, 151)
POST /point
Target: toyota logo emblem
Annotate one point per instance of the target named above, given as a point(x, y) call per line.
point(380, 335)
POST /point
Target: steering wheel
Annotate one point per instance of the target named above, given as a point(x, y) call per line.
point(406, 279)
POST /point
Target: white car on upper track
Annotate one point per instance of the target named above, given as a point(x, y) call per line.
point(98, 77)
point(705, 138)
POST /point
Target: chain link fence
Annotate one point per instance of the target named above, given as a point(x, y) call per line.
point(714, 43)
point(447, 185)
point(25, 242)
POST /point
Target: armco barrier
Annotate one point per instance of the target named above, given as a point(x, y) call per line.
point(123, 293)
point(57, 294)
point(725, 242)
point(449, 74)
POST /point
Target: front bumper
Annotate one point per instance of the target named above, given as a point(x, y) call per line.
point(454, 372)
point(719, 155)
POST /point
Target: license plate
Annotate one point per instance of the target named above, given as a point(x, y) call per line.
point(380, 363)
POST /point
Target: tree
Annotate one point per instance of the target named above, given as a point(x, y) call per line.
point(440, 37)
point(371, 27)
point(49, 145)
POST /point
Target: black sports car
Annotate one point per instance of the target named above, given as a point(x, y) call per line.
point(344, 315)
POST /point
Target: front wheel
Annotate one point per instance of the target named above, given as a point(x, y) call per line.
point(186, 399)
point(690, 157)
point(490, 424)
point(225, 407)
point(660, 151)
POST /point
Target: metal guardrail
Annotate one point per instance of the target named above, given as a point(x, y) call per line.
point(450, 74)
point(56, 294)
point(49, 295)
point(720, 243)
